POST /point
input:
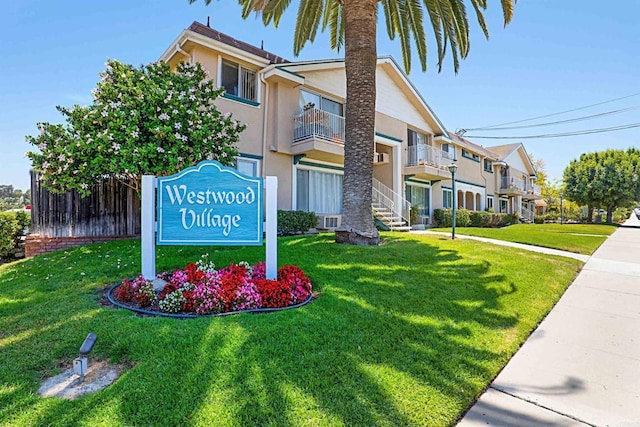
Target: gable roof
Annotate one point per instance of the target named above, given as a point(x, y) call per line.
point(463, 142)
point(387, 63)
point(504, 151)
point(209, 32)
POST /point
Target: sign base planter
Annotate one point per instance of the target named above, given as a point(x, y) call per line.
point(113, 301)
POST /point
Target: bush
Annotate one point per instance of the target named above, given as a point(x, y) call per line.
point(466, 218)
point(442, 217)
point(295, 222)
point(13, 226)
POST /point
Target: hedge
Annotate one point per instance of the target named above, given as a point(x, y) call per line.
point(466, 218)
point(295, 222)
point(13, 225)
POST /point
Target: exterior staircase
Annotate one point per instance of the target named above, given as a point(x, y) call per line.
point(390, 208)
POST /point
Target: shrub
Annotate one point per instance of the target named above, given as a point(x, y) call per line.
point(480, 219)
point(538, 219)
point(467, 218)
point(443, 217)
point(295, 222)
point(12, 230)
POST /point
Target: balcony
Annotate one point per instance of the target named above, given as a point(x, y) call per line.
point(510, 186)
point(319, 134)
point(534, 192)
point(427, 162)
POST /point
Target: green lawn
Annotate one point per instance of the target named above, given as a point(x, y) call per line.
point(406, 333)
point(578, 238)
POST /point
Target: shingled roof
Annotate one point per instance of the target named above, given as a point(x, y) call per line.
point(209, 32)
point(473, 146)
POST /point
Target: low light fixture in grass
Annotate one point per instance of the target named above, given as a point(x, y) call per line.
point(453, 168)
point(80, 365)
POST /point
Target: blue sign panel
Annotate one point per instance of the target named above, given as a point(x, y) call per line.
point(209, 204)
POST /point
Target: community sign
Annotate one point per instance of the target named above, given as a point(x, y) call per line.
point(209, 204)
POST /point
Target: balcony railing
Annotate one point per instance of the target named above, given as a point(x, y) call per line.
point(423, 154)
point(513, 184)
point(534, 189)
point(315, 123)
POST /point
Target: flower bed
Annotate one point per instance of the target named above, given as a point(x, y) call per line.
point(200, 289)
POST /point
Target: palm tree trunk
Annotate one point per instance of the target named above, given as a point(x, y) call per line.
point(360, 64)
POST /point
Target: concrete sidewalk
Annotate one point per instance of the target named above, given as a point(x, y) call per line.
point(581, 366)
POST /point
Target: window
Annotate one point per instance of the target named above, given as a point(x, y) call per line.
point(247, 166)
point(313, 100)
point(469, 155)
point(487, 165)
point(489, 202)
point(319, 192)
point(238, 81)
point(447, 198)
point(418, 196)
point(504, 206)
point(417, 138)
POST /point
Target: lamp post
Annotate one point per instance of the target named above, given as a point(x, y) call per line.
point(453, 168)
point(561, 207)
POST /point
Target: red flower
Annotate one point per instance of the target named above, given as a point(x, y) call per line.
point(274, 293)
point(125, 292)
point(168, 288)
point(193, 274)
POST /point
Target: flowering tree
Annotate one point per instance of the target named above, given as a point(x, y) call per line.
point(147, 120)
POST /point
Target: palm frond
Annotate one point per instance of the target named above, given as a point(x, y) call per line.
point(507, 10)
point(309, 16)
point(480, 6)
point(416, 22)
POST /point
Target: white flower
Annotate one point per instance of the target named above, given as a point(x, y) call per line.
point(84, 186)
point(116, 146)
point(160, 150)
point(105, 113)
point(177, 125)
point(134, 134)
point(163, 116)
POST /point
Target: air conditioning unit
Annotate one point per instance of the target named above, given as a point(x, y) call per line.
point(380, 157)
point(329, 221)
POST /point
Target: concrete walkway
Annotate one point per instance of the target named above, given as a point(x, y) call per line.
point(540, 249)
point(581, 366)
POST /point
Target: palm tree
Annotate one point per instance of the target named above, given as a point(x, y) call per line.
point(353, 23)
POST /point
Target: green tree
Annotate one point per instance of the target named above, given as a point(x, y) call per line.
point(353, 24)
point(146, 120)
point(607, 179)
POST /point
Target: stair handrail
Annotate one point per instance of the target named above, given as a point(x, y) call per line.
point(390, 197)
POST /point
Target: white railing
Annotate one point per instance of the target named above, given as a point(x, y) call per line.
point(527, 213)
point(513, 183)
point(423, 154)
point(535, 189)
point(315, 123)
point(389, 199)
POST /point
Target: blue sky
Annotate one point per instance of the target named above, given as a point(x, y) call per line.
point(554, 56)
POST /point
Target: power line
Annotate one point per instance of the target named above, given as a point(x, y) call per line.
point(553, 114)
point(559, 135)
point(576, 119)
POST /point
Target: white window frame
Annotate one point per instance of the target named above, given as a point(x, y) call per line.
point(322, 97)
point(446, 198)
point(490, 204)
point(256, 163)
point(256, 86)
point(296, 168)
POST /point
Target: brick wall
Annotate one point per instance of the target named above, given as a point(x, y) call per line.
point(38, 245)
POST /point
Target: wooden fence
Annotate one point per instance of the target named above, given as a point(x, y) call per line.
point(112, 209)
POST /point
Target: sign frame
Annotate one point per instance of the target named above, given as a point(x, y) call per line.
point(223, 180)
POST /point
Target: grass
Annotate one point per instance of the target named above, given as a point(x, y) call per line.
point(406, 333)
point(578, 238)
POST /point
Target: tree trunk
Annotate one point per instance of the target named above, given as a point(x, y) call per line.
point(360, 64)
point(610, 214)
point(589, 213)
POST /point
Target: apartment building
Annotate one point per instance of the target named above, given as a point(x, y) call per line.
point(294, 113)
